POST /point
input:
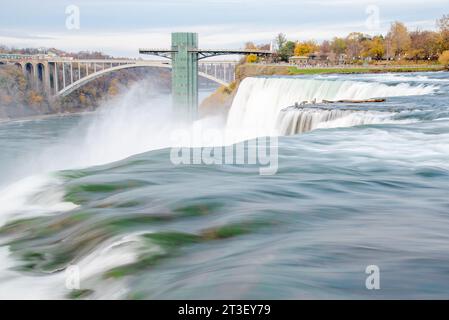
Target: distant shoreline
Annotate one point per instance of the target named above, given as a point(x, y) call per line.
point(43, 116)
point(367, 69)
point(248, 70)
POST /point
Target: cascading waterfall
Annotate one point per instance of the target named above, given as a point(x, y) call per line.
point(294, 121)
point(257, 106)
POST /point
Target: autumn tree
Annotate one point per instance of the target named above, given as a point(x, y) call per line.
point(251, 58)
point(250, 46)
point(265, 46)
point(374, 48)
point(35, 99)
point(424, 45)
point(354, 45)
point(305, 48)
point(338, 45)
point(113, 89)
point(443, 27)
point(444, 58)
point(398, 39)
point(82, 98)
point(13, 85)
point(325, 47)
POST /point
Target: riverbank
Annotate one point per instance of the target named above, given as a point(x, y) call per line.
point(249, 70)
point(368, 69)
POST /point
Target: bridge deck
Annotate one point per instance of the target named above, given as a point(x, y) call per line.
point(205, 53)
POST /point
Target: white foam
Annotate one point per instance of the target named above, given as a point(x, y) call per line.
point(258, 102)
point(32, 196)
point(16, 285)
point(307, 119)
point(113, 253)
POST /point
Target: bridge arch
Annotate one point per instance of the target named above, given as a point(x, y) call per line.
point(79, 83)
point(29, 69)
point(40, 69)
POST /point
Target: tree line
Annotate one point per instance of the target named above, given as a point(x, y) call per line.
point(398, 44)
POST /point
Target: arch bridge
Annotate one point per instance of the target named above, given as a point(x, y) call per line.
point(61, 76)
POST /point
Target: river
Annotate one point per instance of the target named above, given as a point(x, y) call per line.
point(97, 197)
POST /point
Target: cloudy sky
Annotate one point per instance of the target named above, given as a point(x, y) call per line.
point(120, 27)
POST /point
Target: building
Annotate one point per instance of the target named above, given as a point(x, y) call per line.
point(299, 60)
point(313, 59)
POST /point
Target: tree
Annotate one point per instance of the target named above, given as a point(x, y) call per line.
point(325, 47)
point(281, 40)
point(113, 89)
point(251, 58)
point(443, 27)
point(338, 46)
point(287, 50)
point(443, 22)
point(83, 99)
point(374, 48)
point(444, 58)
point(354, 45)
point(250, 46)
point(399, 39)
point(265, 46)
point(35, 99)
point(424, 45)
point(13, 85)
point(305, 48)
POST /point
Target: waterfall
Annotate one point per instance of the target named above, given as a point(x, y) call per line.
point(301, 120)
point(258, 103)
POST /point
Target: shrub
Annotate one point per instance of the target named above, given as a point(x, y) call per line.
point(251, 58)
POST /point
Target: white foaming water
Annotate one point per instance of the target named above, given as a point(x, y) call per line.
point(15, 285)
point(306, 119)
point(258, 102)
point(113, 253)
point(34, 195)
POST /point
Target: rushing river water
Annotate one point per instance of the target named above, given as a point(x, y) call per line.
point(356, 185)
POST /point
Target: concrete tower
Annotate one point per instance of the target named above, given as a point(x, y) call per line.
point(185, 73)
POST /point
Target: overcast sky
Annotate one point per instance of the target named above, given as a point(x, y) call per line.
point(120, 27)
